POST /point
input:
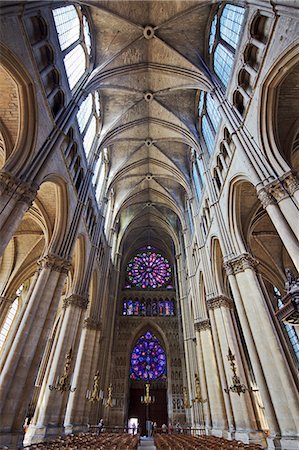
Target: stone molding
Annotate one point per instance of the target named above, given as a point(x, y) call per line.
point(92, 324)
point(202, 325)
point(76, 300)
point(220, 301)
point(21, 191)
point(240, 264)
point(55, 263)
point(7, 300)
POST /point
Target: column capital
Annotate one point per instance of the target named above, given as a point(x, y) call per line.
point(240, 263)
point(280, 189)
point(220, 301)
point(92, 324)
point(266, 198)
point(54, 262)
point(14, 187)
point(76, 300)
point(202, 325)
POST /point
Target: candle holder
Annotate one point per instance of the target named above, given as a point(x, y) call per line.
point(96, 394)
point(109, 402)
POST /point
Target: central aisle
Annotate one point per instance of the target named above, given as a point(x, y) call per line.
point(146, 443)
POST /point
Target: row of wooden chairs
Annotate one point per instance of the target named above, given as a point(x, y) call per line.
point(185, 442)
point(90, 441)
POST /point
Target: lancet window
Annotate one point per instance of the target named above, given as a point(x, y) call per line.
point(88, 118)
point(224, 37)
point(75, 42)
point(12, 312)
point(148, 307)
point(209, 118)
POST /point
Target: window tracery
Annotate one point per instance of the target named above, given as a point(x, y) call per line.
point(148, 359)
point(88, 118)
point(224, 36)
point(75, 41)
point(149, 270)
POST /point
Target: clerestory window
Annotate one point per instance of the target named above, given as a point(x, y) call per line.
point(209, 118)
point(88, 118)
point(224, 37)
point(75, 42)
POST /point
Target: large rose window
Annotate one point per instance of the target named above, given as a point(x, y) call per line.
point(149, 269)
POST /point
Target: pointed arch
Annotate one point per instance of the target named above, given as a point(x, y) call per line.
point(20, 154)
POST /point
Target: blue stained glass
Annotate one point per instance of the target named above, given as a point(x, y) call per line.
point(223, 63)
point(213, 112)
point(149, 269)
point(148, 359)
point(212, 33)
point(231, 23)
point(208, 134)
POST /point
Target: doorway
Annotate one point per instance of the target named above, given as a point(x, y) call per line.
point(157, 412)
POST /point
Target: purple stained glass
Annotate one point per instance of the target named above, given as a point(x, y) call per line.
point(148, 360)
point(149, 269)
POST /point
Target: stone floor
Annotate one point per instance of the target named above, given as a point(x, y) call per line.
point(146, 443)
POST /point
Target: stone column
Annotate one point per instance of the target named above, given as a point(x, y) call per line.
point(286, 194)
point(283, 228)
point(78, 409)
point(21, 361)
point(278, 377)
point(214, 390)
point(239, 406)
point(16, 198)
point(49, 414)
point(254, 358)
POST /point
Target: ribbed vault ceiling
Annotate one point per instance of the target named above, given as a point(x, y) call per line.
point(149, 71)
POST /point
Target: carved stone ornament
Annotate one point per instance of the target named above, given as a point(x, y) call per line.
point(220, 301)
point(266, 198)
point(76, 300)
point(240, 263)
point(21, 191)
point(92, 324)
point(202, 325)
point(288, 184)
point(55, 263)
point(292, 183)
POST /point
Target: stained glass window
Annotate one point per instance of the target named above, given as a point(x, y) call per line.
point(148, 360)
point(149, 269)
point(231, 23)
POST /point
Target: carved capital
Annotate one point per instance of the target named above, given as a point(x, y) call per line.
point(220, 301)
point(266, 198)
point(21, 191)
point(292, 182)
point(92, 324)
point(76, 300)
point(55, 263)
point(240, 263)
point(201, 325)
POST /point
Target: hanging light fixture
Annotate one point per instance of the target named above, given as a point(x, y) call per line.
point(237, 387)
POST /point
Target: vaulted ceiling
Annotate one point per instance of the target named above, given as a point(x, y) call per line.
point(149, 70)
